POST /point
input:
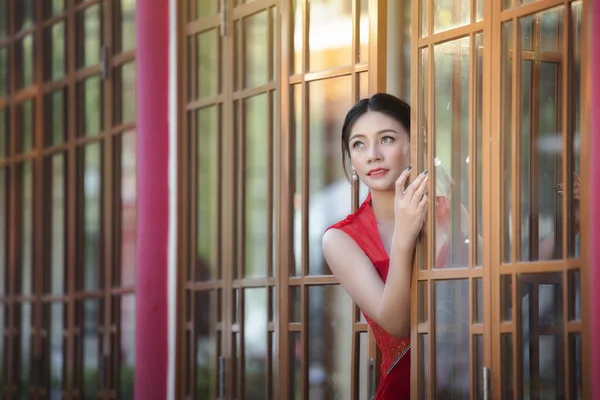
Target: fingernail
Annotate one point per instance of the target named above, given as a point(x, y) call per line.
point(425, 172)
point(409, 168)
point(556, 187)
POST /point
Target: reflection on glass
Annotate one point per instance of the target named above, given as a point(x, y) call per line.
point(574, 295)
point(330, 34)
point(450, 14)
point(255, 50)
point(205, 344)
point(256, 143)
point(56, 344)
point(575, 129)
point(295, 365)
point(551, 26)
point(25, 349)
point(89, 27)
point(91, 347)
point(506, 354)
point(298, 36)
point(452, 160)
point(92, 215)
point(506, 297)
point(25, 173)
point(125, 37)
point(128, 208)
point(26, 121)
point(542, 335)
point(452, 338)
point(297, 106)
point(89, 115)
point(205, 8)
point(54, 51)
point(207, 157)
point(55, 114)
point(330, 192)
point(329, 342)
point(363, 30)
point(575, 366)
point(57, 226)
point(478, 103)
point(127, 354)
point(424, 369)
point(255, 342)
point(125, 98)
point(506, 134)
point(3, 237)
point(206, 64)
point(4, 82)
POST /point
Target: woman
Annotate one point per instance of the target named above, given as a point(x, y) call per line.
point(371, 251)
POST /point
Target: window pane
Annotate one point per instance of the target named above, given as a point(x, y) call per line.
point(452, 339)
point(25, 132)
point(575, 366)
point(329, 342)
point(478, 144)
point(255, 46)
point(257, 169)
point(205, 310)
point(57, 229)
point(206, 64)
point(55, 57)
point(255, 342)
point(363, 32)
point(53, 7)
point(124, 92)
point(127, 351)
point(25, 175)
point(575, 130)
point(3, 21)
point(330, 34)
point(55, 117)
point(25, 311)
point(4, 72)
point(24, 57)
point(3, 237)
point(207, 191)
point(452, 208)
point(4, 133)
point(296, 131)
point(24, 12)
point(92, 214)
point(128, 208)
point(89, 40)
point(575, 295)
point(450, 14)
point(124, 32)
point(297, 42)
point(89, 115)
point(507, 368)
point(90, 309)
point(506, 133)
point(55, 323)
point(204, 8)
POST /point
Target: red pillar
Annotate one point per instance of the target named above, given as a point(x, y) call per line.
point(152, 58)
point(594, 243)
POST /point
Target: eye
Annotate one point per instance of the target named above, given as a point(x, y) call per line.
point(387, 139)
point(357, 144)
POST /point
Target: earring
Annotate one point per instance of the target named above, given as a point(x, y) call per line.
point(354, 175)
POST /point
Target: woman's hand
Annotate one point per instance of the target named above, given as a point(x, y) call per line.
point(410, 206)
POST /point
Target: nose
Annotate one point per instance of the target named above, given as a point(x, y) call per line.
point(373, 154)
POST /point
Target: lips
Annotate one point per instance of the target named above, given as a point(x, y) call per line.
point(377, 172)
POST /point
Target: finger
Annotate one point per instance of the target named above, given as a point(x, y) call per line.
point(423, 203)
point(401, 181)
point(416, 184)
point(420, 192)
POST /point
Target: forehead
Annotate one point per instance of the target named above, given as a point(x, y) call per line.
point(372, 122)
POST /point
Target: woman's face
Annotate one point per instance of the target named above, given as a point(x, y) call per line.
point(379, 150)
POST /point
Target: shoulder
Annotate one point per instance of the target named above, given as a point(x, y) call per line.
point(339, 245)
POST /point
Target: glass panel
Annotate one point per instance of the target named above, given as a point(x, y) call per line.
point(91, 347)
point(295, 365)
point(527, 32)
point(255, 342)
point(255, 48)
point(452, 207)
point(206, 343)
point(256, 141)
point(128, 208)
point(2, 339)
point(424, 365)
point(296, 54)
point(507, 368)
point(575, 129)
point(55, 116)
point(3, 33)
point(424, 18)
point(24, 12)
point(58, 229)
point(574, 295)
point(329, 49)
point(25, 126)
point(127, 354)
point(89, 96)
point(3, 238)
point(478, 361)
point(363, 363)
point(53, 7)
point(89, 43)
point(92, 214)
point(478, 297)
point(506, 132)
point(206, 64)
point(363, 30)
point(423, 305)
point(479, 7)
point(295, 303)
point(125, 31)
point(541, 318)
point(56, 325)
point(330, 99)
point(4, 73)
point(25, 349)
point(575, 366)
point(329, 342)
point(478, 103)
point(452, 339)
point(450, 14)
point(207, 161)
point(4, 133)
point(25, 175)
point(506, 296)
point(125, 98)
point(297, 106)
point(55, 57)
point(204, 8)
point(363, 85)
point(551, 29)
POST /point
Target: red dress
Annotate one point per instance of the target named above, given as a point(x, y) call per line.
point(395, 365)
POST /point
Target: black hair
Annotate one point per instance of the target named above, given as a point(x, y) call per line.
point(384, 103)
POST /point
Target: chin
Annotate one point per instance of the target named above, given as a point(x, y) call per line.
point(382, 186)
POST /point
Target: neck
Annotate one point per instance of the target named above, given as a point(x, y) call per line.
point(382, 203)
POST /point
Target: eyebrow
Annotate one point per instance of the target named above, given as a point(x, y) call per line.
point(359, 135)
